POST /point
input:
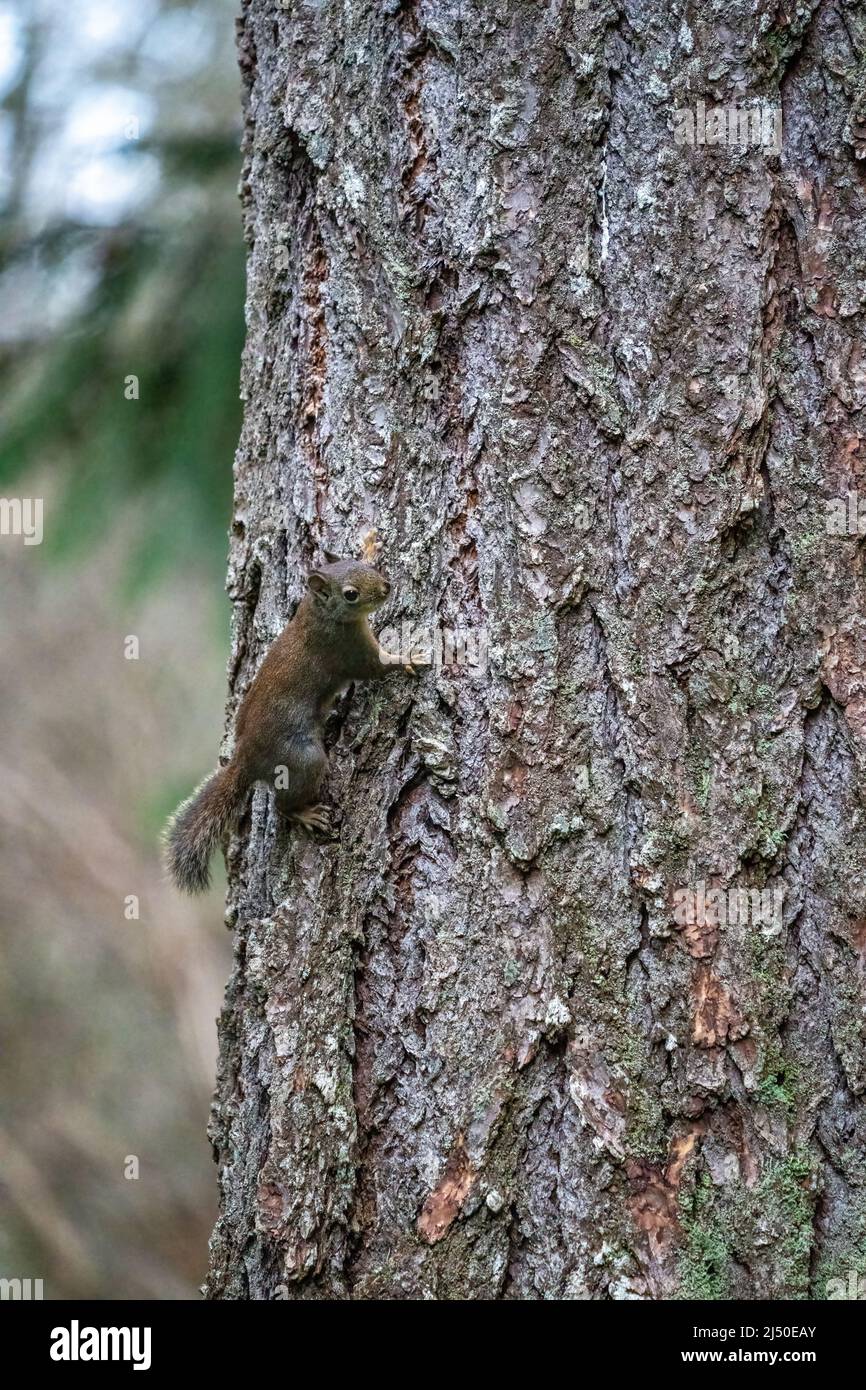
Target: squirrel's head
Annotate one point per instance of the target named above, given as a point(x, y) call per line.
point(346, 590)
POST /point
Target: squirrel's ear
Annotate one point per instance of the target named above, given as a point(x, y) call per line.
point(317, 582)
point(330, 557)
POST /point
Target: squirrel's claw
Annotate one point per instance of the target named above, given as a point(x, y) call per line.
point(314, 818)
point(418, 661)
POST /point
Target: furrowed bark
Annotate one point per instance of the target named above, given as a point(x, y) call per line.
point(594, 389)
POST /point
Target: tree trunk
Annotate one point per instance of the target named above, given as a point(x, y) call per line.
point(521, 1033)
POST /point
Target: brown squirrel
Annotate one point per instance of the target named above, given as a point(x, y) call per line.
point(279, 726)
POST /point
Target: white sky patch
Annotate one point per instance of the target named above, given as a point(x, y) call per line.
point(59, 295)
point(97, 120)
point(91, 171)
point(104, 189)
point(102, 24)
point(179, 42)
point(79, 170)
point(7, 135)
point(11, 48)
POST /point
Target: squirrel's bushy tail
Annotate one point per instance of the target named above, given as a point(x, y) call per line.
point(198, 825)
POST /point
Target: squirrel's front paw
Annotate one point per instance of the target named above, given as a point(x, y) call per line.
point(419, 660)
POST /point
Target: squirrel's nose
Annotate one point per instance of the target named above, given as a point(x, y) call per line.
point(386, 585)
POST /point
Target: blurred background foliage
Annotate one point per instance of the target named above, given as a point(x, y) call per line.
point(120, 255)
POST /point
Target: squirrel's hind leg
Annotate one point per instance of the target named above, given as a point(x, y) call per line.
point(298, 802)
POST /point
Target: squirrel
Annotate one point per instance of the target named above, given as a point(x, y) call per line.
point(279, 726)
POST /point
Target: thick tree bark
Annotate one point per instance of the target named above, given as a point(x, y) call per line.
point(594, 388)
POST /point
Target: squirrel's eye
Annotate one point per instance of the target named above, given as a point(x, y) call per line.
point(351, 595)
